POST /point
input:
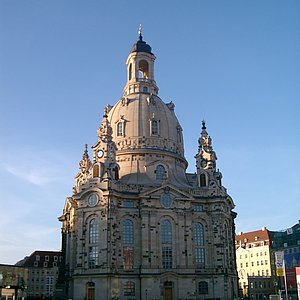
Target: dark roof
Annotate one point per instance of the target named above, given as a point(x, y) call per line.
point(141, 46)
point(29, 260)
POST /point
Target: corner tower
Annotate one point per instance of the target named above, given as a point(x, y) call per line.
point(137, 225)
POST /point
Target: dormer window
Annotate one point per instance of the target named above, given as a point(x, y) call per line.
point(160, 172)
point(203, 180)
point(121, 128)
point(154, 127)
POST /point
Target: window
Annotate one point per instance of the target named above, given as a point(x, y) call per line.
point(49, 285)
point(160, 172)
point(128, 204)
point(199, 245)
point(45, 264)
point(267, 272)
point(35, 264)
point(166, 200)
point(167, 257)
point(55, 258)
point(202, 180)
point(96, 171)
point(154, 127)
point(246, 265)
point(129, 288)
point(93, 257)
point(145, 89)
point(94, 232)
point(128, 255)
point(37, 257)
point(46, 258)
point(198, 207)
point(130, 72)
point(166, 232)
point(127, 232)
point(203, 288)
point(166, 240)
point(120, 128)
point(198, 234)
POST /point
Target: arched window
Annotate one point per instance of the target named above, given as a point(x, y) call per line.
point(130, 72)
point(202, 180)
point(143, 69)
point(166, 240)
point(129, 288)
point(128, 232)
point(96, 171)
point(154, 127)
point(203, 288)
point(120, 129)
point(116, 172)
point(199, 245)
point(93, 232)
point(160, 172)
point(166, 232)
point(145, 89)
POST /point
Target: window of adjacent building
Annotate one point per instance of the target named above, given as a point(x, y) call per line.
point(46, 258)
point(252, 264)
point(129, 288)
point(93, 257)
point(257, 263)
point(54, 264)
point(127, 232)
point(267, 272)
point(37, 257)
point(45, 264)
point(262, 263)
point(241, 265)
point(160, 172)
point(203, 288)
point(166, 240)
point(262, 273)
point(55, 258)
point(199, 245)
point(49, 285)
point(154, 127)
point(266, 262)
point(93, 232)
point(246, 265)
point(35, 264)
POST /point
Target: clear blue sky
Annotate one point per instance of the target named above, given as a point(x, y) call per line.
point(235, 64)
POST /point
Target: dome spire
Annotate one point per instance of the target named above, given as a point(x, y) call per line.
point(140, 33)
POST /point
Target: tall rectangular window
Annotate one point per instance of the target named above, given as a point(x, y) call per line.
point(167, 257)
point(93, 257)
point(128, 256)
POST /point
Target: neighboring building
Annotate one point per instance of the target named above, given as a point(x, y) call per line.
point(288, 240)
point(137, 225)
point(253, 259)
point(12, 282)
point(43, 270)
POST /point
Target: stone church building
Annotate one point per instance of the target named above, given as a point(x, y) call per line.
point(137, 225)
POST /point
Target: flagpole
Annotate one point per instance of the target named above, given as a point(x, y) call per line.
point(285, 283)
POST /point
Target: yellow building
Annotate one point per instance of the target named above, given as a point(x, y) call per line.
point(253, 258)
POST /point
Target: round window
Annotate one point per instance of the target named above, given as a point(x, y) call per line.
point(166, 200)
point(92, 200)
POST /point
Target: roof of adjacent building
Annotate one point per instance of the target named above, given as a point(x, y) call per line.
point(28, 261)
point(253, 236)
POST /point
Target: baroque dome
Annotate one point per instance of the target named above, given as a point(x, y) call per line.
point(144, 128)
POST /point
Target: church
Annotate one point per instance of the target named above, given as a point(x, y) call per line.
point(137, 225)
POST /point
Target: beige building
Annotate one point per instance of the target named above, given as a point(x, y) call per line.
point(137, 225)
point(42, 269)
point(253, 259)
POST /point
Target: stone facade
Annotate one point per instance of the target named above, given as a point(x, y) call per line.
point(137, 225)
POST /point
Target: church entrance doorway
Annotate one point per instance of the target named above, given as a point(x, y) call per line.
point(168, 290)
point(90, 291)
